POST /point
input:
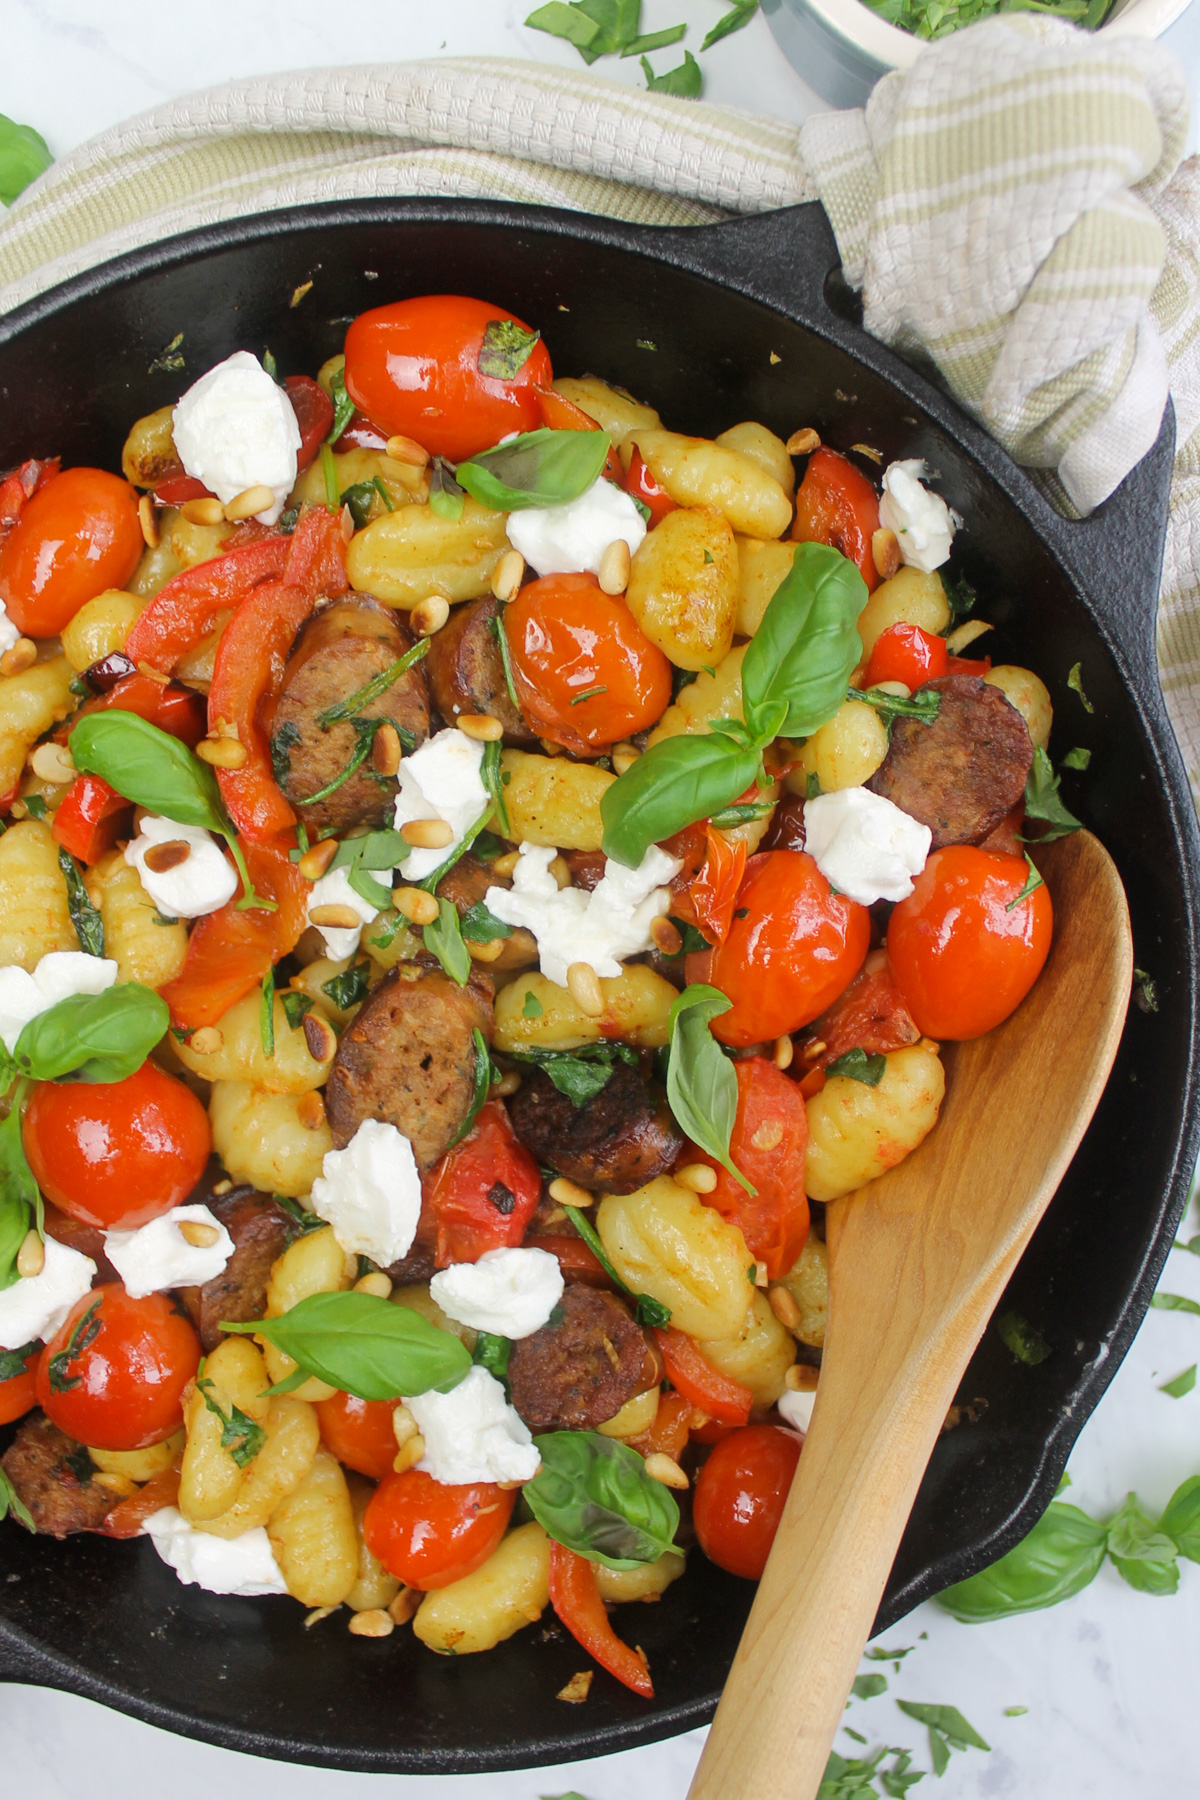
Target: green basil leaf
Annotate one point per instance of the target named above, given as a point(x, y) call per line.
point(1025, 1342)
point(307, 1221)
point(375, 850)
point(592, 1494)
point(484, 1076)
point(89, 926)
point(94, 1037)
point(579, 1074)
point(492, 776)
point(1075, 683)
point(1181, 1520)
point(1033, 881)
point(496, 626)
point(492, 1353)
point(19, 1197)
point(295, 1005)
point(1142, 1552)
point(445, 941)
point(358, 498)
point(364, 738)
point(364, 1345)
point(1043, 800)
point(86, 1331)
point(283, 742)
point(12, 1362)
point(685, 81)
point(673, 784)
point(731, 816)
point(960, 595)
point(1058, 1558)
point(480, 926)
point(372, 891)
point(1182, 1384)
point(266, 1013)
point(239, 1434)
point(1078, 758)
point(505, 349)
point(539, 468)
point(867, 1687)
point(533, 1008)
point(738, 15)
point(701, 1085)
point(1148, 1577)
point(924, 704)
point(24, 155)
point(649, 1310)
point(351, 986)
point(149, 767)
point(1175, 1303)
point(446, 496)
point(10, 1500)
point(807, 645)
point(562, 21)
point(859, 1066)
point(654, 40)
point(343, 406)
point(947, 1720)
point(35, 806)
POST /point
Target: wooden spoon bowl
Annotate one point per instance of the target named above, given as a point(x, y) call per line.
point(917, 1263)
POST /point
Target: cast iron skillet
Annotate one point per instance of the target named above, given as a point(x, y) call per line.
point(714, 325)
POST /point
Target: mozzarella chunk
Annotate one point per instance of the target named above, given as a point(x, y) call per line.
point(441, 780)
point(242, 1565)
point(333, 889)
point(473, 1434)
point(370, 1193)
point(924, 525)
point(235, 429)
point(157, 1256)
point(59, 975)
point(201, 883)
point(795, 1407)
point(571, 925)
point(36, 1305)
point(571, 539)
point(509, 1292)
point(864, 845)
point(8, 631)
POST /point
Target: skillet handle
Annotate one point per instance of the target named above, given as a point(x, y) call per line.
point(782, 258)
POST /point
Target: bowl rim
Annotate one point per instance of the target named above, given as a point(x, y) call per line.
point(888, 47)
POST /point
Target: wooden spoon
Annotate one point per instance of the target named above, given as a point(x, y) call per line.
point(917, 1262)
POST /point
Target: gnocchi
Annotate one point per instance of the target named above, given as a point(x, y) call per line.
point(406, 555)
point(856, 1132)
point(664, 1242)
point(263, 1139)
point(510, 1591)
point(683, 586)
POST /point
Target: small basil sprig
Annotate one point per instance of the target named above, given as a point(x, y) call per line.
point(1044, 802)
point(364, 1345)
point(859, 1066)
point(89, 926)
point(492, 1353)
point(93, 1037)
point(505, 349)
point(924, 704)
point(376, 850)
point(485, 1074)
point(343, 406)
point(593, 1494)
point(702, 1088)
point(649, 1310)
point(444, 940)
point(539, 468)
point(580, 1074)
point(11, 1502)
point(239, 1434)
point(674, 783)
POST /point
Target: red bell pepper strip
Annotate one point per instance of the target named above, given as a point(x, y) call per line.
point(230, 950)
point(575, 1597)
point(714, 891)
point(484, 1192)
point(173, 707)
point(561, 414)
point(906, 653)
point(176, 490)
point(21, 485)
point(722, 1399)
point(968, 665)
point(836, 504)
point(768, 1144)
point(314, 415)
point(668, 1435)
point(90, 819)
point(639, 482)
point(190, 603)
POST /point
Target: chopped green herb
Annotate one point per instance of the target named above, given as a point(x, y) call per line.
point(381, 490)
point(1078, 758)
point(1043, 800)
point(1015, 1712)
point(492, 776)
point(1026, 1343)
point(858, 1066)
point(1033, 881)
point(654, 40)
point(738, 15)
point(1075, 683)
point(492, 1353)
point(485, 1073)
point(270, 365)
point(580, 1074)
point(283, 742)
point(307, 1221)
point(358, 498)
point(866, 1687)
point(329, 472)
point(445, 941)
point(1175, 1303)
point(649, 1310)
point(1145, 992)
point(646, 344)
point(924, 704)
point(12, 1362)
point(1192, 1244)
point(744, 813)
point(11, 1502)
point(295, 1006)
point(348, 988)
point(1182, 1384)
point(169, 361)
point(588, 694)
point(505, 349)
point(87, 1330)
point(239, 1434)
point(35, 806)
point(24, 155)
point(364, 732)
point(80, 686)
point(266, 1013)
point(960, 595)
point(446, 496)
point(89, 926)
point(343, 406)
point(812, 785)
point(533, 1008)
point(501, 637)
point(481, 926)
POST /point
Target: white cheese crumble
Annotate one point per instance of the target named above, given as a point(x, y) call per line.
point(441, 780)
point(242, 1565)
point(864, 845)
point(571, 925)
point(8, 631)
point(370, 1193)
point(36, 1305)
point(473, 1434)
point(924, 525)
point(235, 429)
point(201, 883)
point(571, 539)
point(333, 889)
point(59, 975)
point(509, 1292)
point(795, 1406)
point(157, 1256)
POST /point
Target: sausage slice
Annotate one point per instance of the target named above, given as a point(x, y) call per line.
point(961, 774)
point(613, 1143)
point(466, 885)
point(261, 1231)
point(583, 1366)
point(53, 1474)
point(466, 671)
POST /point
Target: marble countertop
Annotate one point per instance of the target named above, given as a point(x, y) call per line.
point(1108, 1678)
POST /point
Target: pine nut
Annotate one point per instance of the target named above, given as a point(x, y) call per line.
point(429, 615)
point(251, 500)
point(319, 1034)
point(666, 936)
point(376, 1283)
point(549, 748)
point(404, 1426)
point(148, 520)
point(660, 1467)
point(31, 1257)
point(506, 866)
point(785, 1050)
point(199, 1235)
point(613, 573)
point(899, 688)
point(338, 918)
point(928, 1044)
point(373, 1623)
point(698, 1419)
point(386, 750)
point(317, 858)
point(204, 512)
point(406, 450)
point(51, 762)
point(22, 656)
point(162, 679)
point(885, 548)
point(583, 985)
point(869, 451)
point(161, 857)
point(428, 834)
point(404, 1605)
point(507, 575)
point(803, 442)
point(481, 726)
point(569, 1193)
point(207, 1041)
point(221, 752)
point(623, 757)
point(560, 868)
point(409, 1455)
point(815, 1051)
point(698, 1177)
point(490, 952)
point(415, 905)
point(508, 1084)
point(578, 1688)
point(223, 1187)
point(120, 1485)
point(310, 1110)
point(801, 1379)
point(964, 634)
point(783, 1305)
point(769, 1135)
point(346, 520)
point(316, 1615)
point(760, 1274)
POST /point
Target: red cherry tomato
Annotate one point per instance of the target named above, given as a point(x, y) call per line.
point(359, 1433)
point(768, 1142)
point(413, 368)
point(836, 504)
point(19, 1393)
point(566, 639)
point(429, 1534)
point(314, 415)
point(789, 958)
point(113, 1375)
point(740, 1496)
point(484, 1192)
point(962, 954)
point(77, 536)
point(117, 1153)
point(641, 484)
point(908, 654)
point(870, 1015)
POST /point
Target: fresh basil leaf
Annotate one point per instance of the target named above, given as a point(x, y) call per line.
point(1181, 1520)
point(239, 1434)
point(343, 406)
point(94, 1037)
point(492, 1353)
point(702, 1088)
point(149, 767)
point(867, 1687)
point(89, 926)
point(10, 1500)
point(358, 498)
point(1043, 800)
point(732, 816)
point(487, 846)
point(18, 1194)
point(35, 806)
point(87, 1330)
point(24, 155)
point(859, 1066)
point(1141, 1552)
point(350, 986)
point(458, 851)
point(12, 1362)
point(1078, 758)
point(1145, 993)
point(446, 495)
point(1058, 1558)
point(505, 349)
point(947, 1720)
point(592, 1494)
point(807, 645)
point(562, 21)
point(1075, 683)
point(1033, 881)
point(266, 1013)
point(480, 926)
point(640, 46)
point(738, 15)
point(444, 940)
point(960, 595)
point(379, 684)
point(295, 1005)
point(533, 1008)
point(684, 81)
point(485, 1074)
point(364, 1345)
point(1182, 1384)
point(580, 1074)
point(539, 468)
point(649, 1310)
point(1026, 1343)
point(1148, 1577)
point(674, 783)
point(1175, 1303)
point(492, 776)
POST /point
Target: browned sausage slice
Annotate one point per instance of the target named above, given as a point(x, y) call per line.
point(583, 1366)
point(53, 1475)
point(409, 1059)
point(466, 671)
point(613, 1143)
point(261, 1231)
point(338, 652)
point(961, 774)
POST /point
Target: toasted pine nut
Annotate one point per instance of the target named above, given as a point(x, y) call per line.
point(623, 757)
point(404, 1605)
point(415, 905)
point(803, 442)
point(578, 1688)
point(583, 985)
point(899, 688)
point(481, 726)
point(385, 750)
point(813, 1052)
point(251, 500)
point(506, 865)
point(869, 451)
point(148, 520)
point(319, 1034)
point(698, 1418)
point(783, 1305)
point(51, 762)
point(613, 574)
point(373, 1623)
point(698, 1177)
point(317, 858)
point(560, 868)
point(376, 1283)
point(964, 634)
point(760, 1274)
point(490, 952)
point(409, 1455)
point(120, 1485)
point(403, 1425)
point(406, 450)
point(221, 752)
point(428, 834)
point(347, 524)
point(508, 1084)
point(801, 1378)
point(204, 512)
point(31, 1257)
point(549, 748)
point(769, 1135)
point(429, 615)
point(338, 918)
point(926, 1043)
point(660, 1467)
point(785, 1050)
point(569, 1193)
point(22, 656)
point(666, 936)
point(199, 1235)
point(161, 857)
point(310, 1110)
point(206, 1041)
point(316, 1615)
point(506, 576)
point(162, 679)
point(223, 1187)
point(885, 548)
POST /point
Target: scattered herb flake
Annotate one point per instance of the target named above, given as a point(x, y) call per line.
point(858, 1066)
point(739, 14)
point(1075, 683)
point(1044, 802)
point(348, 988)
point(343, 406)
point(85, 917)
point(1175, 1303)
point(533, 1008)
point(506, 348)
point(295, 1006)
point(1025, 1342)
point(866, 1687)
point(266, 1013)
point(446, 497)
point(87, 1330)
point(1078, 758)
point(169, 361)
point(1145, 992)
point(1182, 1384)
point(239, 1434)
point(1033, 881)
point(11, 1501)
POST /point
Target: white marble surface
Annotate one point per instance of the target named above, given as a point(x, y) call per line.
point(1109, 1678)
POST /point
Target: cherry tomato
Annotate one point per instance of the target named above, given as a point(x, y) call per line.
point(908, 654)
point(77, 536)
point(641, 484)
point(413, 368)
point(836, 504)
point(713, 893)
point(19, 1393)
point(117, 1153)
point(113, 1375)
point(798, 945)
point(484, 1192)
point(740, 1496)
point(359, 1433)
point(314, 415)
point(963, 955)
point(566, 639)
point(768, 1142)
point(430, 1534)
point(870, 1015)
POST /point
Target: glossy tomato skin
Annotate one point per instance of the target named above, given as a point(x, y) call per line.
point(413, 368)
point(566, 637)
point(19, 1393)
point(466, 1190)
point(961, 954)
point(797, 947)
point(117, 1154)
point(836, 504)
point(908, 654)
point(359, 1433)
point(124, 1388)
point(740, 1496)
point(429, 1534)
point(768, 1144)
point(76, 537)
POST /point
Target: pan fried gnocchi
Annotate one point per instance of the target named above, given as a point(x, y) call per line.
point(482, 871)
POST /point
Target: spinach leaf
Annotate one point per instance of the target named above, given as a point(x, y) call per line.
point(685, 81)
point(343, 406)
point(351, 986)
point(480, 926)
point(1043, 800)
point(859, 1066)
point(505, 349)
point(539, 468)
point(24, 155)
point(445, 941)
point(579, 1074)
point(20, 1201)
point(1058, 1558)
point(446, 496)
point(364, 1345)
point(94, 1037)
point(592, 1494)
point(674, 783)
point(1026, 1343)
point(239, 1434)
point(739, 14)
point(1141, 1552)
point(10, 1500)
point(485, 1074)
point(649, 1310)
point(804, 651)
point(701, 1085)
point(492, 1353)
point(89, 926)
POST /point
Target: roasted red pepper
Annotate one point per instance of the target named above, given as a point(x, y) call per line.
point(190, 603)
point(21, 485)
point(484, 1192)
point(171, 706)
point(230, 950)
point(722, 1399)
point(314, 415)
point(768, 1144)
point(575, 1597)
point(177, 490)
point(641, 484)
point(836, 504)
point(90, 819)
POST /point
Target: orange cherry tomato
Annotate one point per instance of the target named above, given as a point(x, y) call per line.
point(768, 1142)
point(359, 1433)
point(117, 1154)
point(430, 1534)
point(836, 504)
point(413, 368)
point(908, 654)
point(740, 1496)
point(77, 536)
point(797, 945)
point(19, 1393)
point(963, 955)
point(113, 1375)
point(713, 892)
point(567, 639)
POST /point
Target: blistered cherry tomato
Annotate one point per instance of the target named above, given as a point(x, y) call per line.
point(117, 1153)
point(836, 504)
point(19, 1392)
point(788, 956)
point(413, 368)
point(585, 671)
point(77, 536)
point(359, 1433)
point(964, 950)
point(768, 1142)
point(314, 415)
point(483, 1193)
point(908, 654)
point(113, 1376)
point(740, 1496)
point(430, 1534)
